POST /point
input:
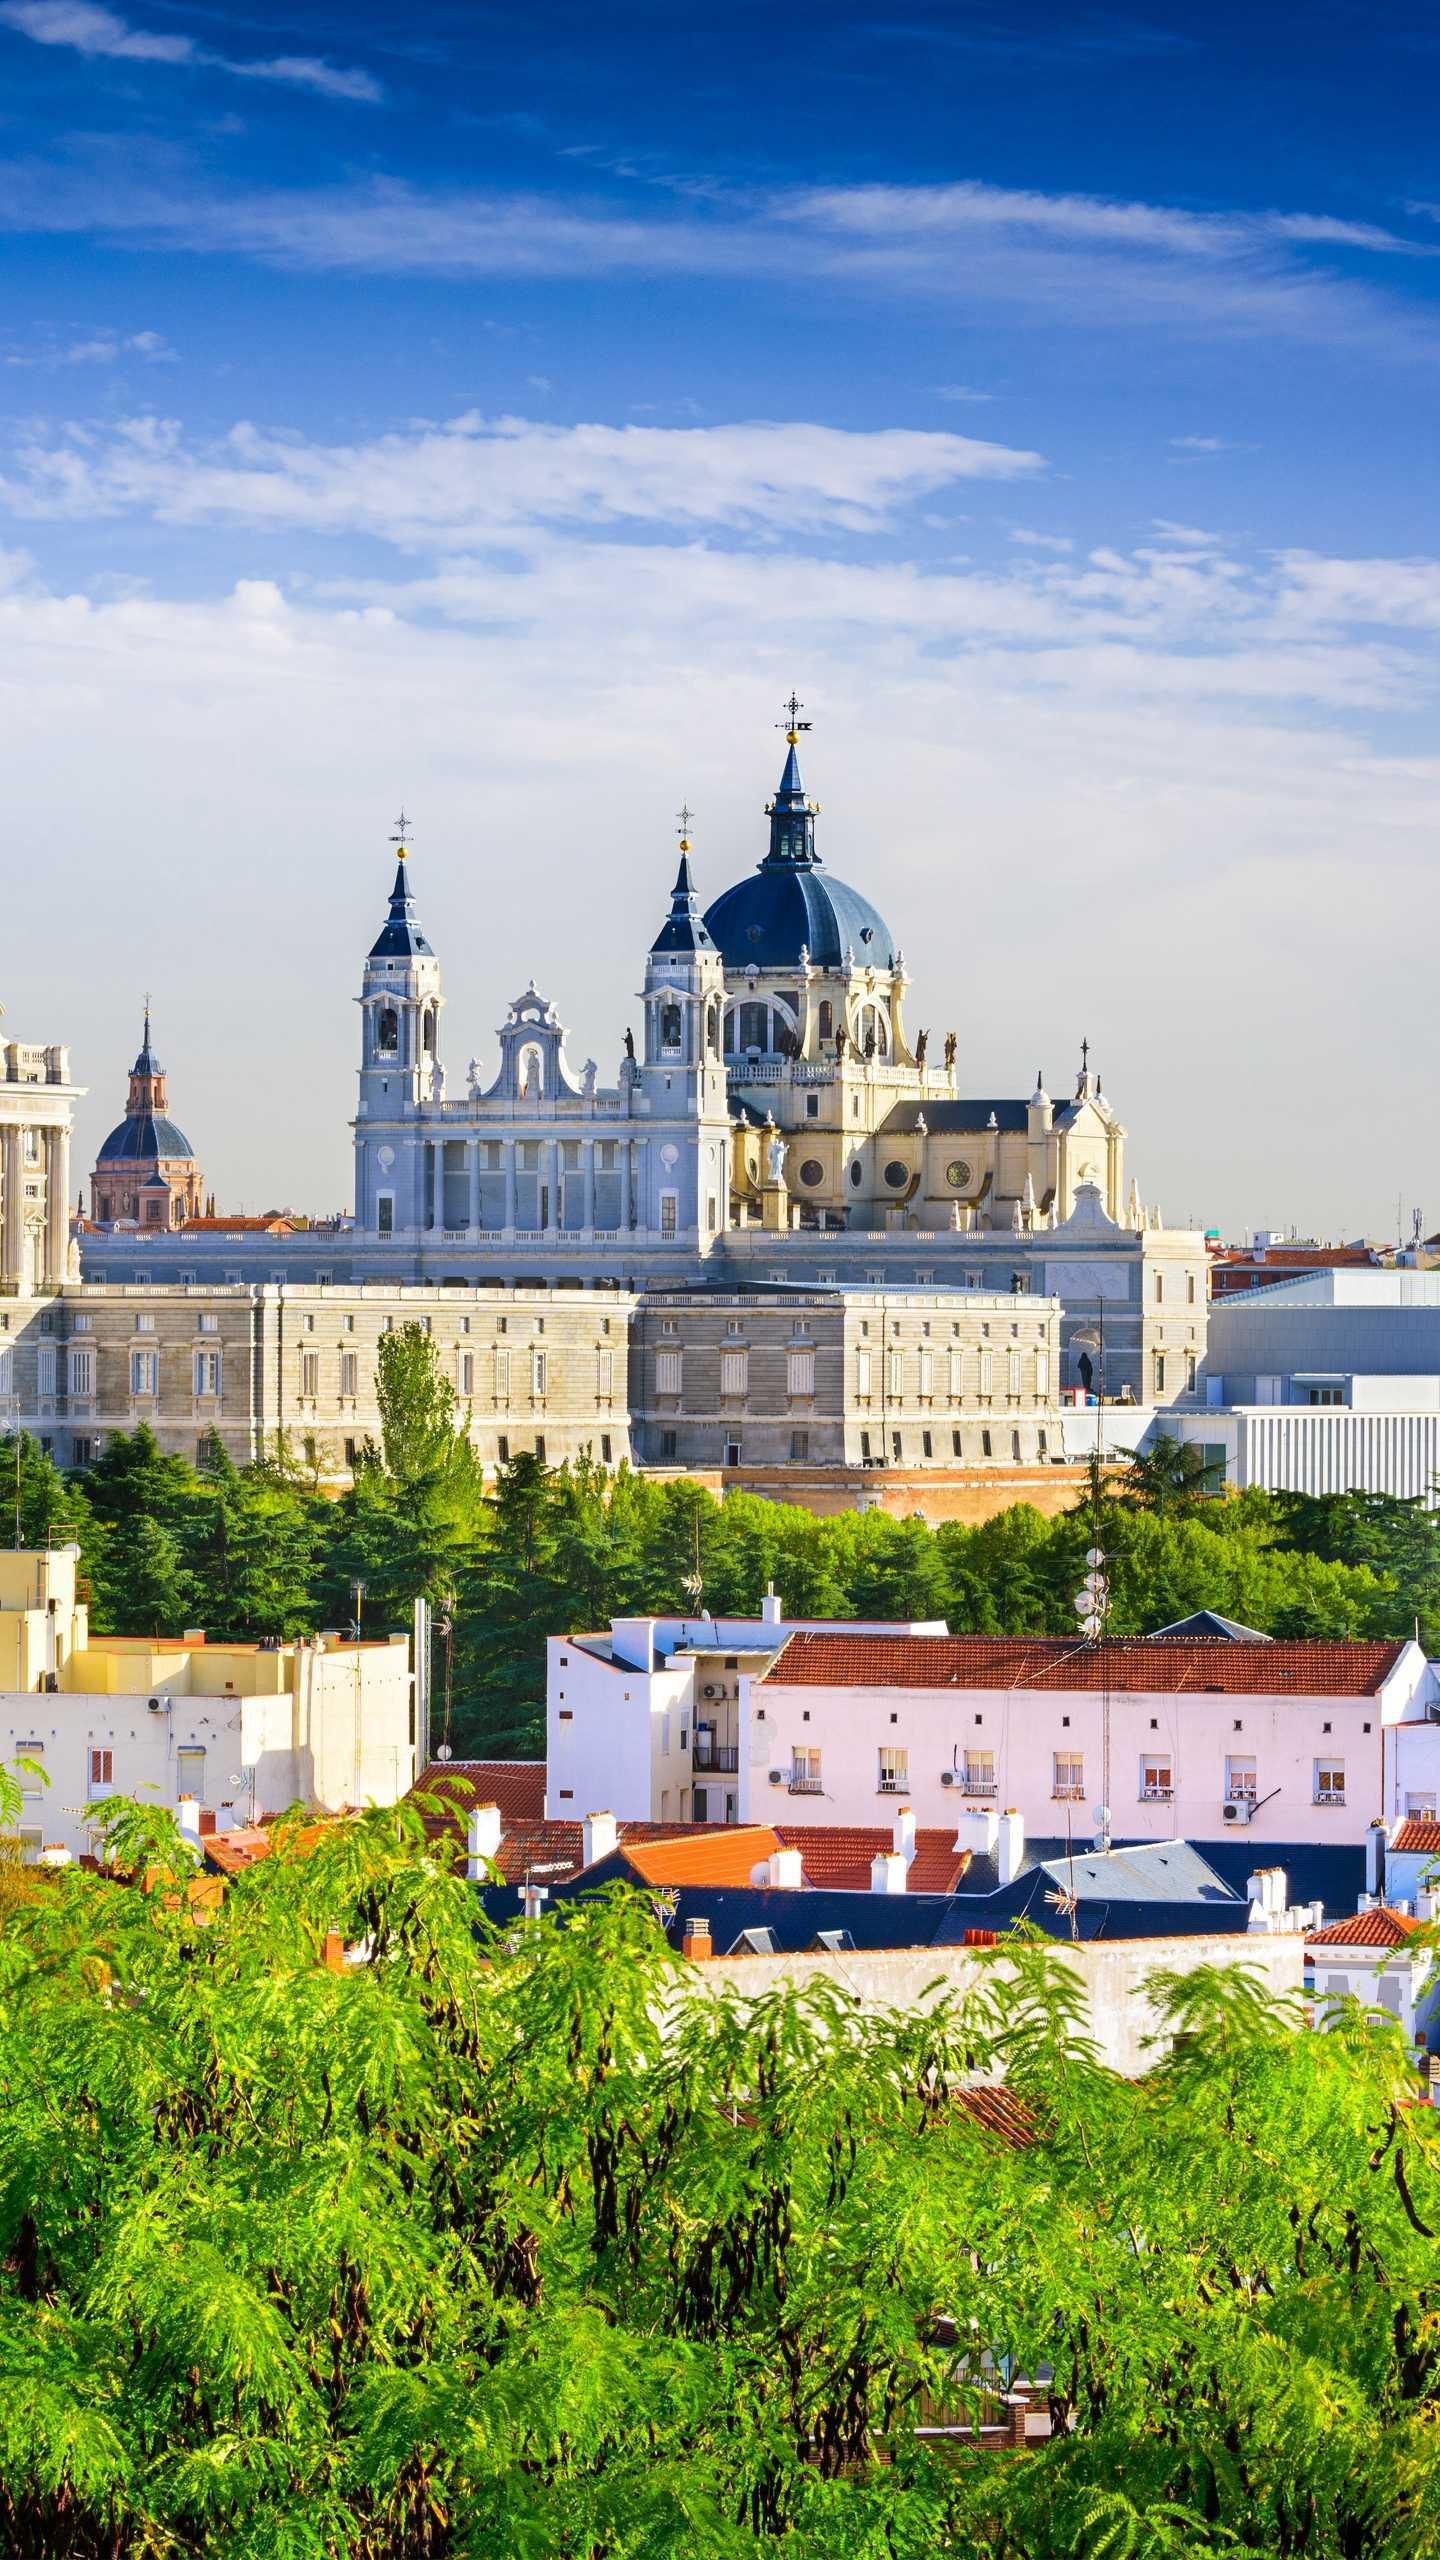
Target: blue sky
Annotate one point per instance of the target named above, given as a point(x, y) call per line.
point(498, 410)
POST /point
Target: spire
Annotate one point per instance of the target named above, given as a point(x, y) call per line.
point(147, 1064)
point(791, 815)
point(400, 935)
point(683, 929)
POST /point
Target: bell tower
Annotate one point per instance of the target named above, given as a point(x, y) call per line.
point(401, 1004)
point(682, 1076)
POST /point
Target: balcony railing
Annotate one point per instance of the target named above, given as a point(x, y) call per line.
point(1067, 1795)
point(979, 1786)
point(1328, 1796)
point(805, 1786)
point(1156, 1795)
point(892, 1787)
point(720, 1759)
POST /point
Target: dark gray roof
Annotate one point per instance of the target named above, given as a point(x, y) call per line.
point(142, 1139)
point(954, 1119)
point(1208, 1622)
point(400, 935)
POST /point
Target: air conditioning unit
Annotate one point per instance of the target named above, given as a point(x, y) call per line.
point(1239, 1809)
point(777, 1777)
point(157, 1707)
point(947, 1777)
point(710, 1689)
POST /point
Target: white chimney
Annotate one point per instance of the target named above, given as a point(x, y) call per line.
point(599, 1834)
point(1377, 1840)
point(905, 1831)
point(536, 1897)
point(786, 1871)
point(888, 1872)
point(188, 1811)
point(225, 1816)
point(977, 1828)
point(55, 1854)
point(1010, 1846)
point(482, 1839)
point(770, 1608)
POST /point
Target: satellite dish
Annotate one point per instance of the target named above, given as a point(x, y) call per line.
point(442, 1751)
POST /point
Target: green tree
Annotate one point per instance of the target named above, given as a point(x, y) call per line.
point(463, 2251)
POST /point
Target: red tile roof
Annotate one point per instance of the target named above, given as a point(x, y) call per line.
point(1000, 2111)
point(1139, 1663)
point(724, 1854)
point(552, 1851)
point(837, 1855)
point(516, 1786)
point(1382, 1928)
point(1419, 1837)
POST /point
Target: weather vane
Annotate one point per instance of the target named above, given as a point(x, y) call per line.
point(684, 819)
point(792, 724)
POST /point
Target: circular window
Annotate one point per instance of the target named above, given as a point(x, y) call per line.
point(812, 1171)
point(958, 1174)
point(857, 1173)
point(897, 1174)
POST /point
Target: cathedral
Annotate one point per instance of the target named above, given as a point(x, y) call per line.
point(146, 1173)
point(776, 1087)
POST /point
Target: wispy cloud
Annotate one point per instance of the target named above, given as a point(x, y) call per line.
point(81, 26)
point(1202, 444)
point(106, 346)
point(962, 391)
point(476, 479)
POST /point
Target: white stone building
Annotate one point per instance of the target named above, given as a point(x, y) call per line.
point(37, 1109)
point(236, 1731)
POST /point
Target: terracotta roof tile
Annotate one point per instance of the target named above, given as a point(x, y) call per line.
point(1052, 1662)
point(1382, 1928)
point(724, 1854)
point(1419, 1837)
point(516, 1786)
point(837, 1855)
point(552, 1851)
point(1000, 2111)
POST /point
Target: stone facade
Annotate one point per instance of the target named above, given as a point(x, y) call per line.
point(258, 1365)
point(37, 1110)
point(858, 1378)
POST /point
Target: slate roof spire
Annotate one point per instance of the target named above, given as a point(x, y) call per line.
point(791, 815)
point(400, 935)
point(684, 928)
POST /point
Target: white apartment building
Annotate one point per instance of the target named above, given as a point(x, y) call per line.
point(236, 1731)
point(1180, 1737)
point(645, 1717)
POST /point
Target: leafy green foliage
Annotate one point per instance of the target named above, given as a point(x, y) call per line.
point(543, 2243)
point(259, 1550)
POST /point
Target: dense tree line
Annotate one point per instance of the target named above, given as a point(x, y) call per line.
point(461, 2252)
point(262, 1550)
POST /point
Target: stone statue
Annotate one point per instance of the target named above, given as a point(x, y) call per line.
point(922, 1043)
point(841, 1036)
point(870, 1041)
point(588, 1074)
point(630, 1045)
point(775, 1157)
point(472, 1076)
point(951, 1045)
point(437, 1082)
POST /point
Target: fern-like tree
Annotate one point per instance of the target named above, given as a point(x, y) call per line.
point(537, 2241)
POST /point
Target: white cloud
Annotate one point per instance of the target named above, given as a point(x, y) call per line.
point(106, 346)
point(83, 27)
point(1033, 541)
point(1398, 594)
point(1202, 444)
point(962, 391)
point(477, 478)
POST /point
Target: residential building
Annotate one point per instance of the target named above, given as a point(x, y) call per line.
point(1235, 1270)
point(1379, 1956)
point(234, 1732)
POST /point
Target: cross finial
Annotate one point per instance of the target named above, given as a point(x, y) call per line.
point(1084, 1057)
point(792, 724)
point(684, 819)
point(400, 833)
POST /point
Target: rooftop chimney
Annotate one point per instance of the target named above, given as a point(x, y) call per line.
point(905, 1831)
point(1377, 1841)
point(1010, 1845)
point(770, 1608)
point(888, 1872)
point(786, 1875)
point(696, 1942)
point(482, 1839)
point(600, 1833)
point(977, 1828)
point(536, 1897)
point(188, 1814)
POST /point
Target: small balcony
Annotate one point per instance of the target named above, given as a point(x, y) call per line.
point(799, 1786)
point(1156, 1795)
point(892, 1787)
point(978, 1786)
point(716, 1759)
point(1067, 1795)
point(1329, 1798)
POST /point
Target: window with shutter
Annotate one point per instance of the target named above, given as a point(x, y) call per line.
point(800, 1373)
point(734, 1372)
point(667, 1373)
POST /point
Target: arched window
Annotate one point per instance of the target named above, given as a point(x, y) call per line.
point(712, 1031)
point(882, 1036)
point(670, 1034)
point(427, 1031)
point(387, 1031)
point(754, 1026)
point(827, 1020)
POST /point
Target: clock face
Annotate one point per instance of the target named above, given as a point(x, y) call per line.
point(957, 1174)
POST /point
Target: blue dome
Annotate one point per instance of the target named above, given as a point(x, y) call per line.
point(764, 920)
point(143, 1139)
